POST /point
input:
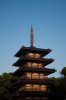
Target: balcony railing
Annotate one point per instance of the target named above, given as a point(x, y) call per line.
point(35, 93)
point(36, 81)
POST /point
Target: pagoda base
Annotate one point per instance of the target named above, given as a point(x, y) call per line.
point(35, 95)
point(30, 95)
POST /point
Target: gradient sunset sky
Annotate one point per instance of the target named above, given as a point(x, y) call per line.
point(48, 18)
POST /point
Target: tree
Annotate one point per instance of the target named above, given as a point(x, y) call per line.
point(6, 80)
point(63, 72)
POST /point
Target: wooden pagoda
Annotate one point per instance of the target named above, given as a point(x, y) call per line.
point(33, 83)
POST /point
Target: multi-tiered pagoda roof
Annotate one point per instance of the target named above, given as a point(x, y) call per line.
point(33, 82)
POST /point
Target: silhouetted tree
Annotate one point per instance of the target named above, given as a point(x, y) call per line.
point(63, 73)
point(6, 79)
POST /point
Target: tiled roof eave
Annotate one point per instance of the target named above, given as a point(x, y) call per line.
point(46, 71)
point(23, 59)
point(33, 49)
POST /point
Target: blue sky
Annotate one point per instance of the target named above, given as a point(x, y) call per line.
point(48, 18)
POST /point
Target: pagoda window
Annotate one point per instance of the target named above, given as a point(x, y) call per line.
point(37, 55)
point(35, 76)
point(28, 75)
point(34, 55)
point(43, 88)
point(28, 87)
point(40, 65)
point(31, 55)
point(34, 65)
point(36, 88)
point(42, 76)
point(29, 64)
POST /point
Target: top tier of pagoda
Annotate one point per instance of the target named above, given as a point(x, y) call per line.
point(32, 56)
point(24, 50)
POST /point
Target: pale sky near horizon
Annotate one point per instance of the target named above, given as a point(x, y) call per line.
point(48, 18)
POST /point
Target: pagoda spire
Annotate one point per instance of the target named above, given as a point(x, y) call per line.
point(31, 36)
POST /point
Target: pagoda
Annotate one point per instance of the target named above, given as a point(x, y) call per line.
point(32, 83)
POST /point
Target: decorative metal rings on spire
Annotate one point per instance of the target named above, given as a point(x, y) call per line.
point(31, 36)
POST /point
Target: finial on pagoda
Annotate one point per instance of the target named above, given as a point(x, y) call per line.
point(31, 36)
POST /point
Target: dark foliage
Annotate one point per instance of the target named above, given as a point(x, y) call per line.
point(6, 80)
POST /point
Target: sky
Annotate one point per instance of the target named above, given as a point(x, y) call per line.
point(48, 18)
